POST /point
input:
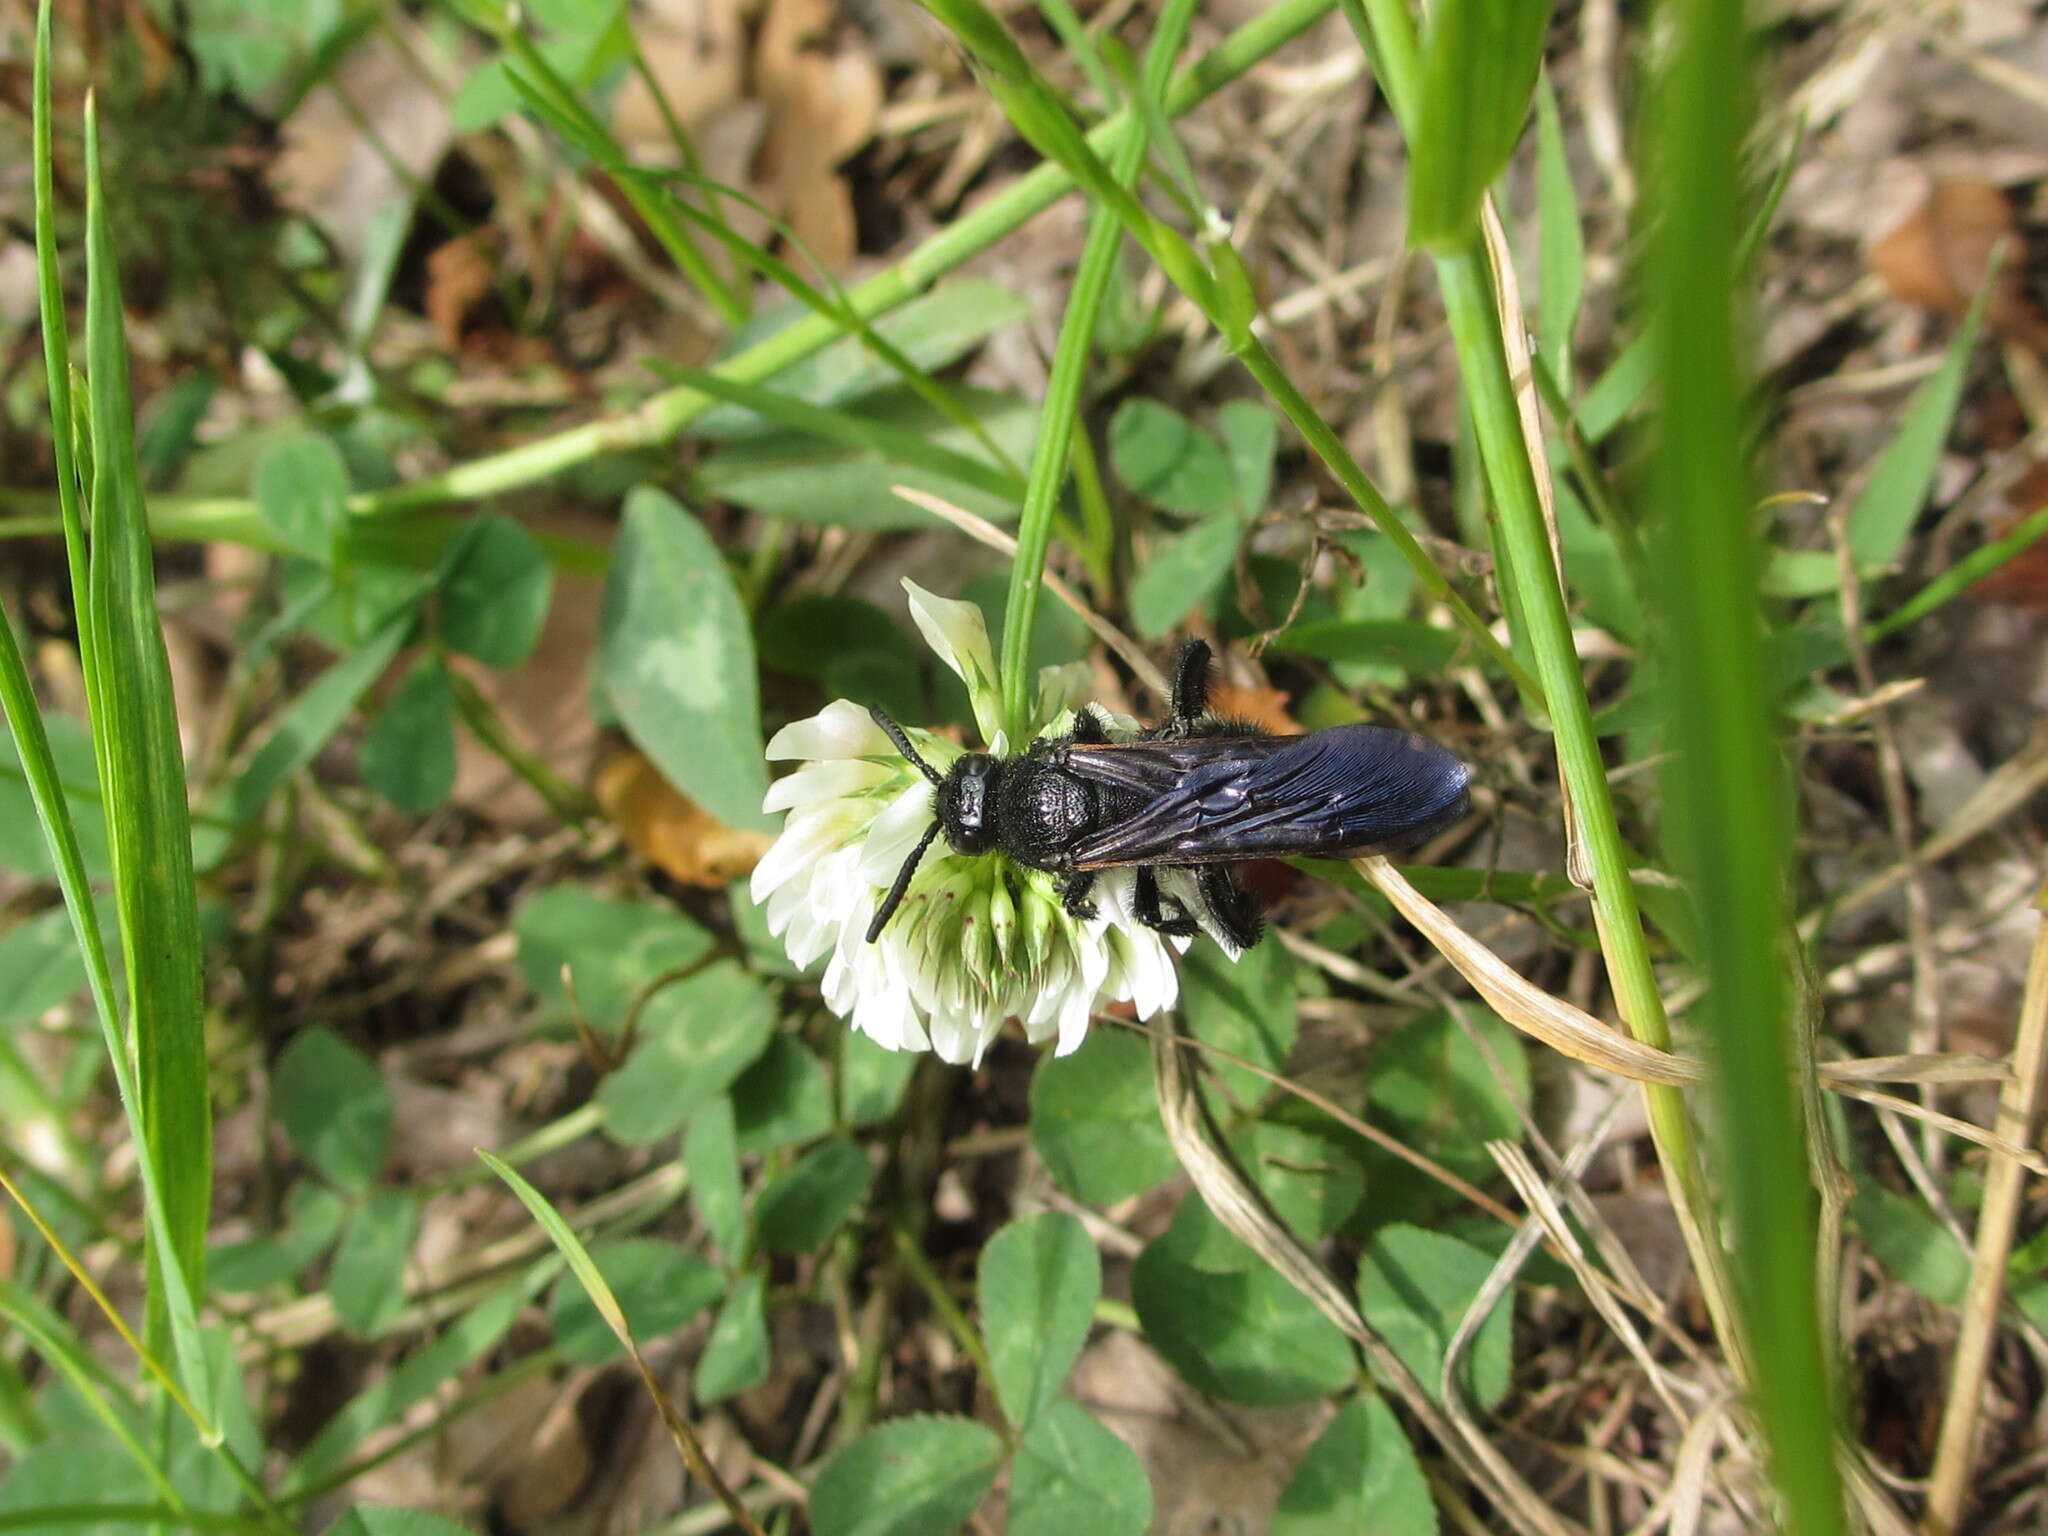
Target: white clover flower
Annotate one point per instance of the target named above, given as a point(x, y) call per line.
point(978, 939)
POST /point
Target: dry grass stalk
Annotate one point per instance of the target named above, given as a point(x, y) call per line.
point(1242, 1209)
point(2019, 1113)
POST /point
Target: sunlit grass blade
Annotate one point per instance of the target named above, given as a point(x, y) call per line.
point(176, 1225)
point(585, 1269)
point(142, 775)
point(59, 1346)
point(1728, 805)
point(1062, 407)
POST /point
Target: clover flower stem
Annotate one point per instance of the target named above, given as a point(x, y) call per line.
point(1062, 407)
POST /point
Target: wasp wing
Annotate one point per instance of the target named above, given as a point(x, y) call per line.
point(1157, 767)
point(1346, 790)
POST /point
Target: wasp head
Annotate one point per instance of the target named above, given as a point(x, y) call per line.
point(965, 803)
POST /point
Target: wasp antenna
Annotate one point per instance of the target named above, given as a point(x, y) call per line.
point(895, 734)
point(894, 899)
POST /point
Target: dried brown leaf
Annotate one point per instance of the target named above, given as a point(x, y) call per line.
point(671, 831)
point(458, 278)
point(1938, 257)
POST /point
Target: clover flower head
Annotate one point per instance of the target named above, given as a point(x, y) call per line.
point(978, 940)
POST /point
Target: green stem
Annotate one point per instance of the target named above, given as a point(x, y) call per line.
point(912, 1257)
point(648, 203)
point(1322, 438)
point(1965, 573)
point(1214, 278)
point(1062, 406)
point(1098, 522)
point(563, 799)
point(1468, 293)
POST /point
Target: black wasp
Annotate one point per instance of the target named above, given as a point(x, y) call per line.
point(1196, 791)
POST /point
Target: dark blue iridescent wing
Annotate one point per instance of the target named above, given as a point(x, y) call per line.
point(1352, 789)
point(1157, 767)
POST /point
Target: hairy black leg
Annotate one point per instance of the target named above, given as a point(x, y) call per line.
point(1236, 913)
point(1074, 889)
point(1088, 731)
point(1146, 904)
point(1190, 689)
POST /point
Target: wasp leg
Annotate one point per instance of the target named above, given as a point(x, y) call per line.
point(1146, 905)
point(1190, 696)
point(1088, 731)
point(1074, 890)
point(1236, 913)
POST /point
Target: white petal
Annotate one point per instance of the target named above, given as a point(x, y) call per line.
point(841, 729)
point(1154, 979)
point(1114, 892)
point(982, 1037)
point(1075, 1013)
point(1180, 884)
point(885, 1016)
point(806, 836)
point(953, 1038)
point(958, 636)
point(893, 833)
point(823, 781)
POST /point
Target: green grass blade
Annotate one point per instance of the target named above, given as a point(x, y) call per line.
point(657, 419)
point(297, 736)
point(56, 337)
point(1062, 407)
point(1728, 804)
point(142, 776)
point(1884, 512)
point(468, 1339)
point(567, 1243)
point(1561, 267)
point(24, 718)
point(63, 1350)
point(850, 428)
point(1961, 576)
point(1479, 63)
point(826, 299)
point(1035, 110)
point(1610, 398)
point(557, 104)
